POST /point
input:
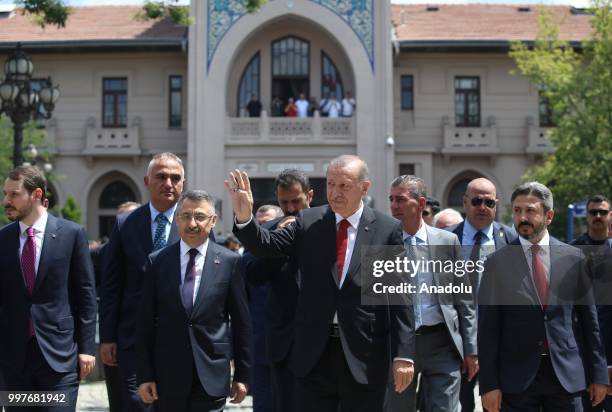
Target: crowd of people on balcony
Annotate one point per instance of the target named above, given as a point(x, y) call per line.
point(329, 106)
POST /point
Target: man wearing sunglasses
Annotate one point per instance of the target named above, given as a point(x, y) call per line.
point(598, 219)
point(480, 236)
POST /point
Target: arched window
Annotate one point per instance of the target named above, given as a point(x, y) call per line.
point(249, 83)
point(290, 68)
point(331, 82)
point(114, 194)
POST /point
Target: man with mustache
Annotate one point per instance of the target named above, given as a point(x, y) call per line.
point(278, 279)
point(342, 349)
point(47, 295)
point(479, 235)
point(538, 345)
point(598, 216)
point(147, 229)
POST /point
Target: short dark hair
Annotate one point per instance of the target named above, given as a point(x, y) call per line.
point(537, 189)
point(32, 179)
point(415, 185)
point(434, 204)
point(231, 239)
point(289, 177)
point(597, 199)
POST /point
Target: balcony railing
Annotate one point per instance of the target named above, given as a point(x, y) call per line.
point(266, 129)
point(112, 141)
point(468, 141)
point(538, 141)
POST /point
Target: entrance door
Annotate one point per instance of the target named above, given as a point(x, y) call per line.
point(285, 88)
point(290, 68)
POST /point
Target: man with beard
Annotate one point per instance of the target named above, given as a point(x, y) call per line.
point(47, 295)
point(593, 245)
point(278, 277)
point(135, 235)
point(538, 347)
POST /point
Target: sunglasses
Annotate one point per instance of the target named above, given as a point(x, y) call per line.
point(477, 201)
point(600, 212)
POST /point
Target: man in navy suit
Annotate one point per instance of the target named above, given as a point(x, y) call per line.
point(134, 237)
point(185, 339)
point(280, 276)
point(342, 349)
point(479, 235)
point(47, 294)
point(538, 346)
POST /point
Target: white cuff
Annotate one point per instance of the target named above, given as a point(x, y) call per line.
point(242, 225)
point(404, 359)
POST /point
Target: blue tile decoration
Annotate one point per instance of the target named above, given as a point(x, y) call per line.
point(357, 14)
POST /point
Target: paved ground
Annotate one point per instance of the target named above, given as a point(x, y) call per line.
point(92, 398)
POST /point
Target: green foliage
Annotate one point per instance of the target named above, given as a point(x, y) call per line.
point(71, 210)
point(578, 85)
point(53, 12)
point(153, 10)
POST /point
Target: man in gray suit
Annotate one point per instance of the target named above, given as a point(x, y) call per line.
point(444, 323)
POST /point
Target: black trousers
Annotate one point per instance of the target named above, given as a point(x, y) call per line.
point(129, 387)
point(283, 386)
point(606, 405)
point(545, 394)
point(112, 378)
point(37, 375)
point(331, 385)
point(466, 394)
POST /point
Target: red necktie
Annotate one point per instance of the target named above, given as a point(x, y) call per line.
point(539, 278)
point(28, 266)
point(341, 246)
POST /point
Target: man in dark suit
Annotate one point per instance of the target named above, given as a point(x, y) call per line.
point(280, 278)
point(185, 339)
point(342, 348)
point(538, 346)
point(479, 235)
point(135, 235)
point(47, 294)
point(445, 323)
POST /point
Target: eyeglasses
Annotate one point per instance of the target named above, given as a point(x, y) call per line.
point(477, 201)
point(600, 212)
point(199, 217)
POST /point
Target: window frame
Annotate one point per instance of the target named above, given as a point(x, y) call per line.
point(339, 81)
point(256, 57)
point(467, 92)
point(171, 91)
point(402, 89)
point(544, 119)
point(116, 94)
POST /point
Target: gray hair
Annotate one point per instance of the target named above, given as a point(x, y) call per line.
point(345, 160)
point(449, 212)
point(536, 189)
point(165, 156)
point(415, 185)
point(195, 196)
point(265, 208)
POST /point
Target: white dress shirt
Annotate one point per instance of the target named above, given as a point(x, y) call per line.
point(352, 235)
point(544, 255)
point(169, 215)
point(302, 107)
point(39, 235)
point(199, 264)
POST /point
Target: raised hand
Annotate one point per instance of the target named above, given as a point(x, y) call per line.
point(239, 189)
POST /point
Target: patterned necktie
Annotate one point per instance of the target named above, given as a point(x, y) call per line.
point(341, 246)
point(189, 282)
point(159, 240)
point(28, 266)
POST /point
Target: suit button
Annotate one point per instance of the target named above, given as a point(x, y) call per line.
point(190, 324)
point(545, 317)
point(540, 343)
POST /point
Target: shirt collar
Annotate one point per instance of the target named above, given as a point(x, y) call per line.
point(469, 231)
point(527, 244)
point(352, 219)
point(169, 213)
point(420, 235)
point(39, 226)
point(185, 248)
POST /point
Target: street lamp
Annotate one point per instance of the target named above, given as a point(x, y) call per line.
point(20, 101)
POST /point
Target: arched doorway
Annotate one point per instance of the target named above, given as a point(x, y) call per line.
point(456, 189)
point(290, 68)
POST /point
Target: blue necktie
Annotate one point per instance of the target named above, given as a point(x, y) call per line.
point(474, 256)
point(159, 240)
point(189, 282)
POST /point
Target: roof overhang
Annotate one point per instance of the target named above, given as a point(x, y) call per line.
point(114, 45)
point(463, 46)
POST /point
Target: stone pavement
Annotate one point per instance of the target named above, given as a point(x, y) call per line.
point(92, 398)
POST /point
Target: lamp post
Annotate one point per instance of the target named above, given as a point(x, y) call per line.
point(20, 101)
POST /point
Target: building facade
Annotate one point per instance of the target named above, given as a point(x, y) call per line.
point(434, 93)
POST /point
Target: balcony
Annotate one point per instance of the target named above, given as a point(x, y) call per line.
point(287, 130)
point(114, 142)
point(538, 141)
point(470, 141)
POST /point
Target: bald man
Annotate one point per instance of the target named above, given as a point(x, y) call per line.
point(480, 236)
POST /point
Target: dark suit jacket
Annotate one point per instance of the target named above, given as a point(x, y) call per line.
point(513, 325)
point(63, 303)
point(170, 344)
point(124, 258)
point(370, 335)
point(280, 278)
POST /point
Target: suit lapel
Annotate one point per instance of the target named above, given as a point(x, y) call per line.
point(15, 261)
point(174, 274)
point(524, 271)
point(328, 240)
point(145, 233)
point(173, 236)
point(212, 261)
point(51, 241)
point(365, 231)
point(433, 245)
point(499, 236)
point(459, 232)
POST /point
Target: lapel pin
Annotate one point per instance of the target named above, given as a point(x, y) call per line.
point(216, 261)
point(366, 229)
point(53, 235)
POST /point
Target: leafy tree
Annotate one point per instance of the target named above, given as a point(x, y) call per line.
point(71, 210)
point(578, 86)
